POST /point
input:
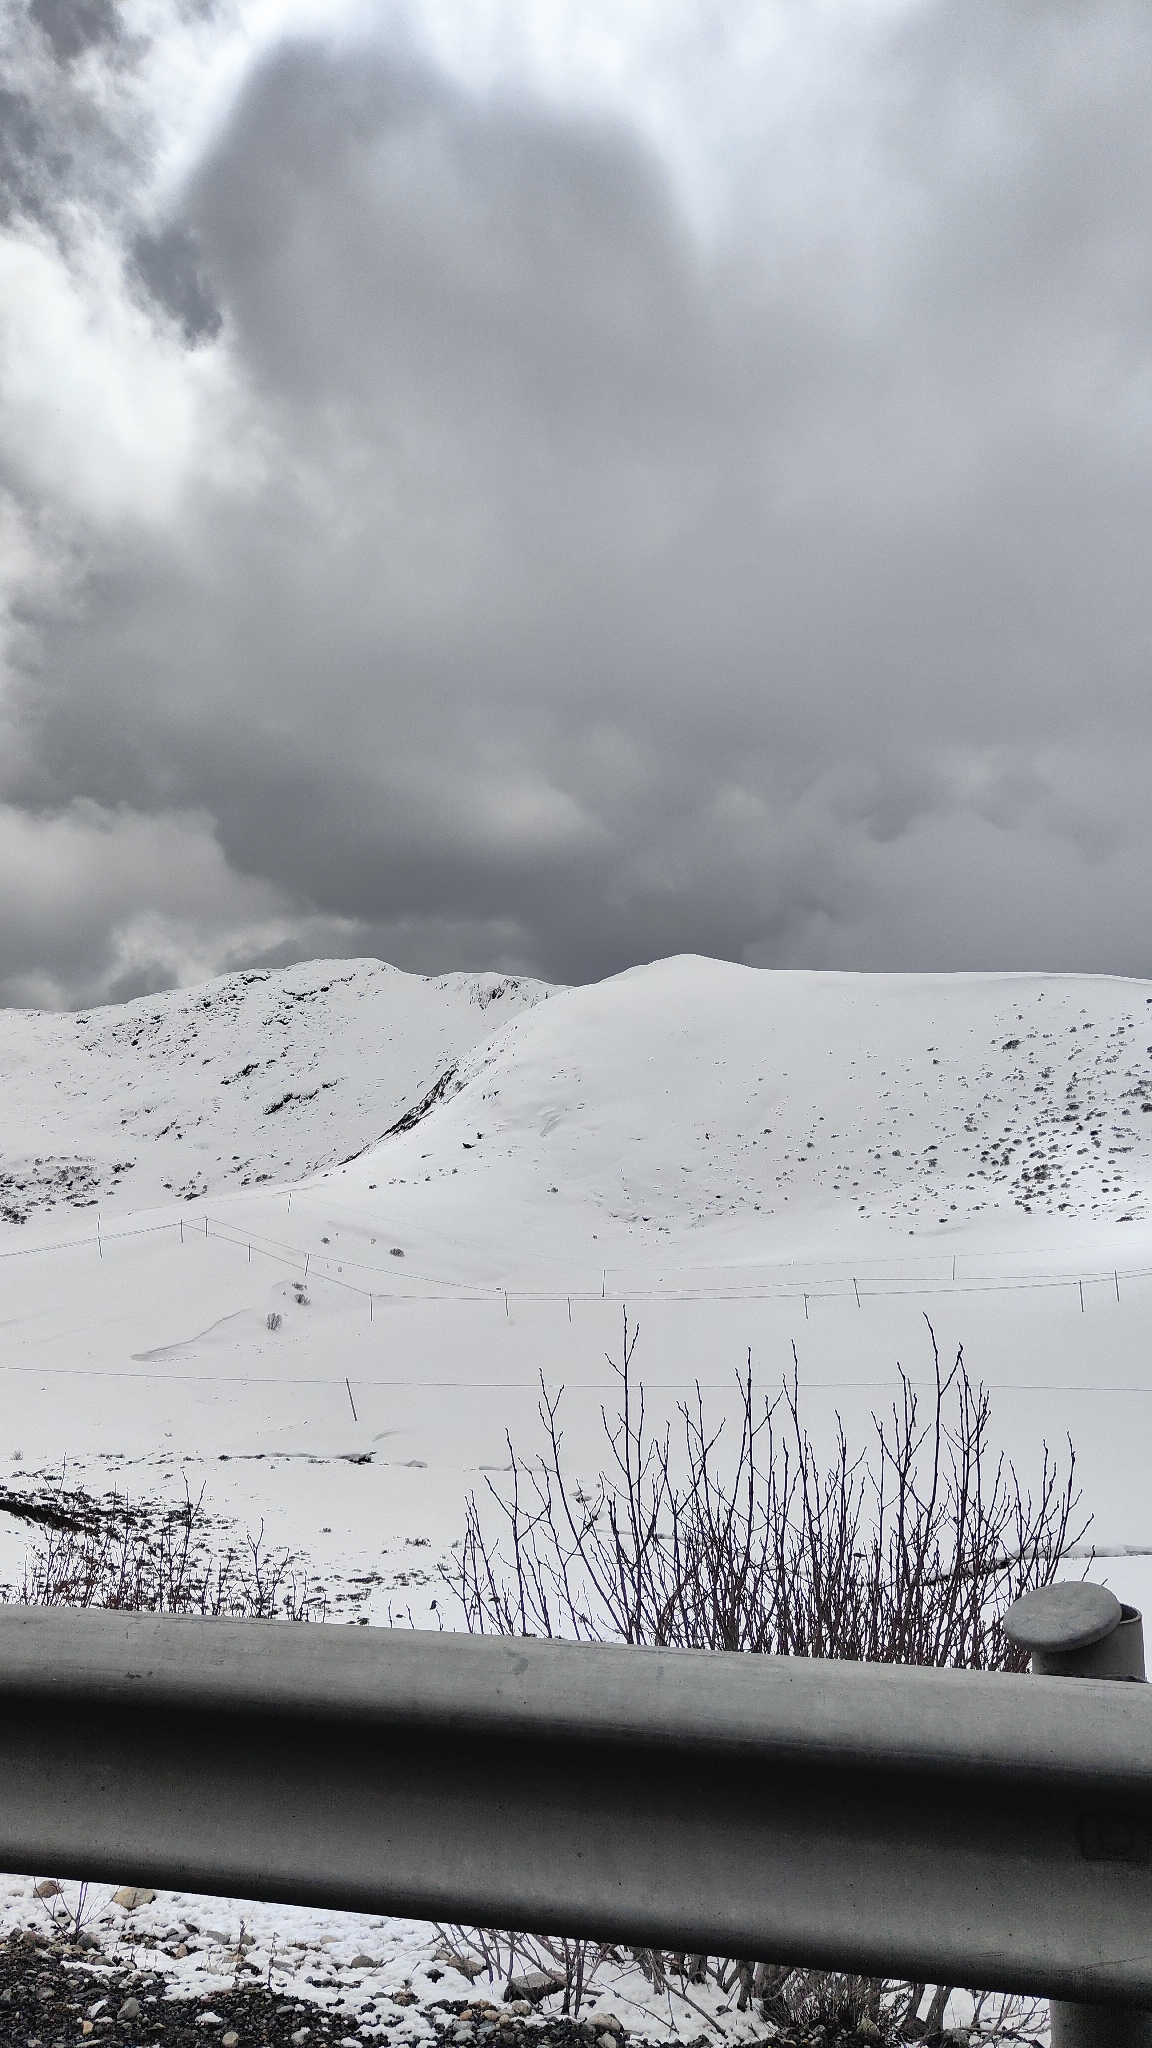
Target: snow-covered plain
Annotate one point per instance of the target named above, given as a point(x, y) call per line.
point(748, 1160)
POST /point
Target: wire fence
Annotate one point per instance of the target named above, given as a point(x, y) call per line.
point(861, 1287)
point(321, 1267)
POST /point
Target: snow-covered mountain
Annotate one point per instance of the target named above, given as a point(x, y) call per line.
point(253, 1078)
point(695, 1100)
point(411, 1214)
point(675, 1095)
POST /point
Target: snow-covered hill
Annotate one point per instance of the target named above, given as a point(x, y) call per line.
point(670, 1097)
point(746, 1159)
point(746, 1156)
point(252, 1078)
point(695, 1099)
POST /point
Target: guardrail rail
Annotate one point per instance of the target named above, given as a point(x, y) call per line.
point(944, 1826)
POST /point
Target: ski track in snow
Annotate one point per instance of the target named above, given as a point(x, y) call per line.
point(748, 1160)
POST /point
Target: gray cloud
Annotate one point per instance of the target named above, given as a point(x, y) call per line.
point(168, 264)
point(65, 146)
point(73, 26)
point(554, 583)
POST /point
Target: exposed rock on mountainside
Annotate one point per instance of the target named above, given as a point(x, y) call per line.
point(255, 1077)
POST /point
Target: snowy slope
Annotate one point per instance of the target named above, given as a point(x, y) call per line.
point(698, 1101)
point(667, 1097)
point(252, 1078)
point(744, 1157)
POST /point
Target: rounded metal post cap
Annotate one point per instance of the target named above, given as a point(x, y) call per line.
point(1067, 1617)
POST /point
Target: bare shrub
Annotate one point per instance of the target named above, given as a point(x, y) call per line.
point(68, 1917)
point(532, 1966)
point(908, 1549)
point(113, 1553)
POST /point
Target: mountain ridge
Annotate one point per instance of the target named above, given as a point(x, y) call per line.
point(689, 1090)
point(113, 1107)
point(670, 1096)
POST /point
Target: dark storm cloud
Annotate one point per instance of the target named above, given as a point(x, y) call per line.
point(593, 589)
point(73, 26)
point(168, 265)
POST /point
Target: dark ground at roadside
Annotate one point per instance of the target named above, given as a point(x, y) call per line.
point(48, 1996)
point(52, 1997)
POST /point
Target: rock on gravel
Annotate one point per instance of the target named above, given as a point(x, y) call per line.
point(51, 1991)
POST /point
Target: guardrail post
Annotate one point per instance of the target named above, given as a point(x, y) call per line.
point(1083, 1631)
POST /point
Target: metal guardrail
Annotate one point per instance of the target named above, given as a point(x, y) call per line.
point(944, 1826)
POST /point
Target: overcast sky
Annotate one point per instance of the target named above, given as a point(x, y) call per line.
point(545, 484)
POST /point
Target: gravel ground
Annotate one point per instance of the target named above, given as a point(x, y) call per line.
point(50, 1993)
point(53, 1996)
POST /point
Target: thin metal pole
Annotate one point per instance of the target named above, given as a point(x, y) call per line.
point(1098, 2026)
point(1079, 1630)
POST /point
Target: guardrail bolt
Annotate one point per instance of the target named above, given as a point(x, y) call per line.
point(1082, 1631)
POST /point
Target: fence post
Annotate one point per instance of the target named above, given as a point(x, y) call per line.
point(1083, 1631)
